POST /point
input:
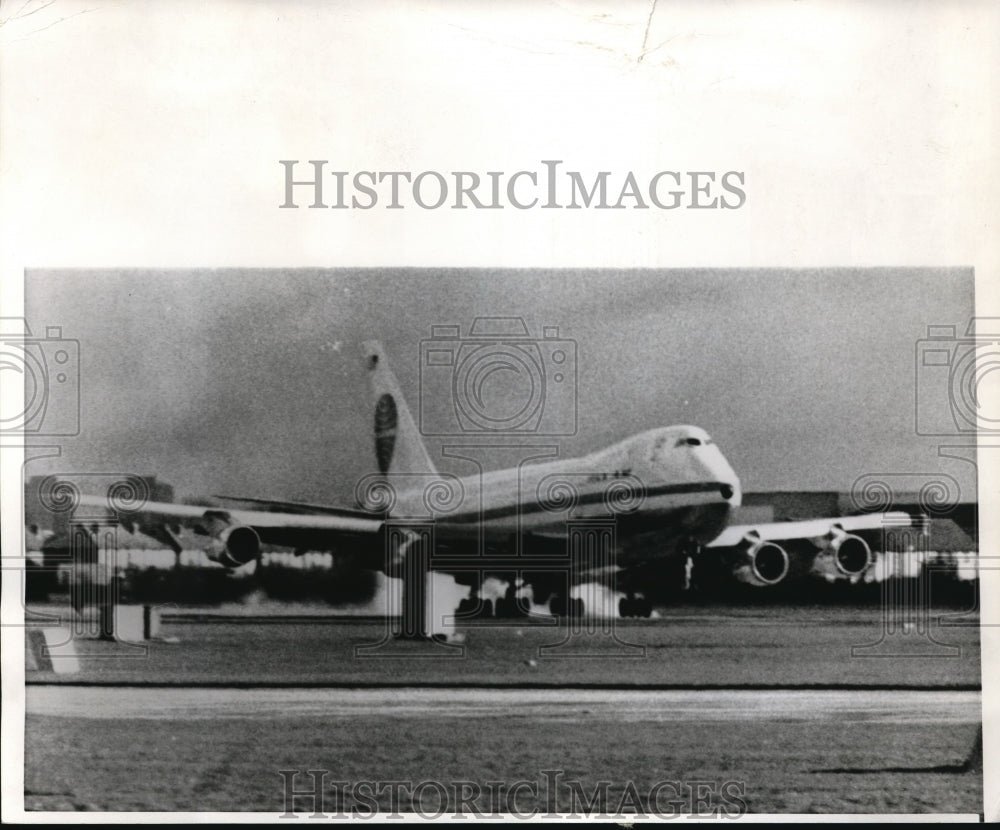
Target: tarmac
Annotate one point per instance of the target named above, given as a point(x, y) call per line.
point(803, 710)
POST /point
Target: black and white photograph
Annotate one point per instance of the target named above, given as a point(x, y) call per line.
point(570, 411)
point(484, 541)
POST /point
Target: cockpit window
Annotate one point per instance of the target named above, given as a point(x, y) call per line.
point(691, 442)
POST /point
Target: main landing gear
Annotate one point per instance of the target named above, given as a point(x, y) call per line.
point(632, 606)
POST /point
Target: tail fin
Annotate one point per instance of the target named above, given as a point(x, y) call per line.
point(398, 445)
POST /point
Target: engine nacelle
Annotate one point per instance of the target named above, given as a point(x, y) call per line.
point(842, 555)
point(758, 562)
point(234, 546)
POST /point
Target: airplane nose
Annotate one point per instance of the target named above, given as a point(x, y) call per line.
point(731, 490)
point(720, 471)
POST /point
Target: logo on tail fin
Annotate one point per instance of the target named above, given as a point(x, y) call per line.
point(399, 446)
point(386, 419)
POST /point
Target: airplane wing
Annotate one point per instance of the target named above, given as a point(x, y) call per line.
point(813, 528)
point(236, 535)
point(832, 548)
point(276, 506)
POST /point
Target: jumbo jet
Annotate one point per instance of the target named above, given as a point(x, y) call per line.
point(545, 526)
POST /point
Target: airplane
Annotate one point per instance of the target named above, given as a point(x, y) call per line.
point(601, 517)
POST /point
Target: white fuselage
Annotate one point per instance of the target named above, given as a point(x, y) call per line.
point(670, 481)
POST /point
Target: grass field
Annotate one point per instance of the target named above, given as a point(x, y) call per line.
point(787, 646)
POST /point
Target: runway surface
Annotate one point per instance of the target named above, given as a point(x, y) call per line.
point(802, 709)
point(216, 749)
point(701, 706)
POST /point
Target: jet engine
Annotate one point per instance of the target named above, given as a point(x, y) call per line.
point(234, 546)
point(758, 562)
point(841, 555)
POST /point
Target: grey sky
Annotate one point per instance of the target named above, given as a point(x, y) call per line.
point(251, 381)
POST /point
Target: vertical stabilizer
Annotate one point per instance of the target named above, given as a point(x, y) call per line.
point(399, 447)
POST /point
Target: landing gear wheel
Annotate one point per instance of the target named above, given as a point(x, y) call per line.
point(625, 607)
point(576, 608)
